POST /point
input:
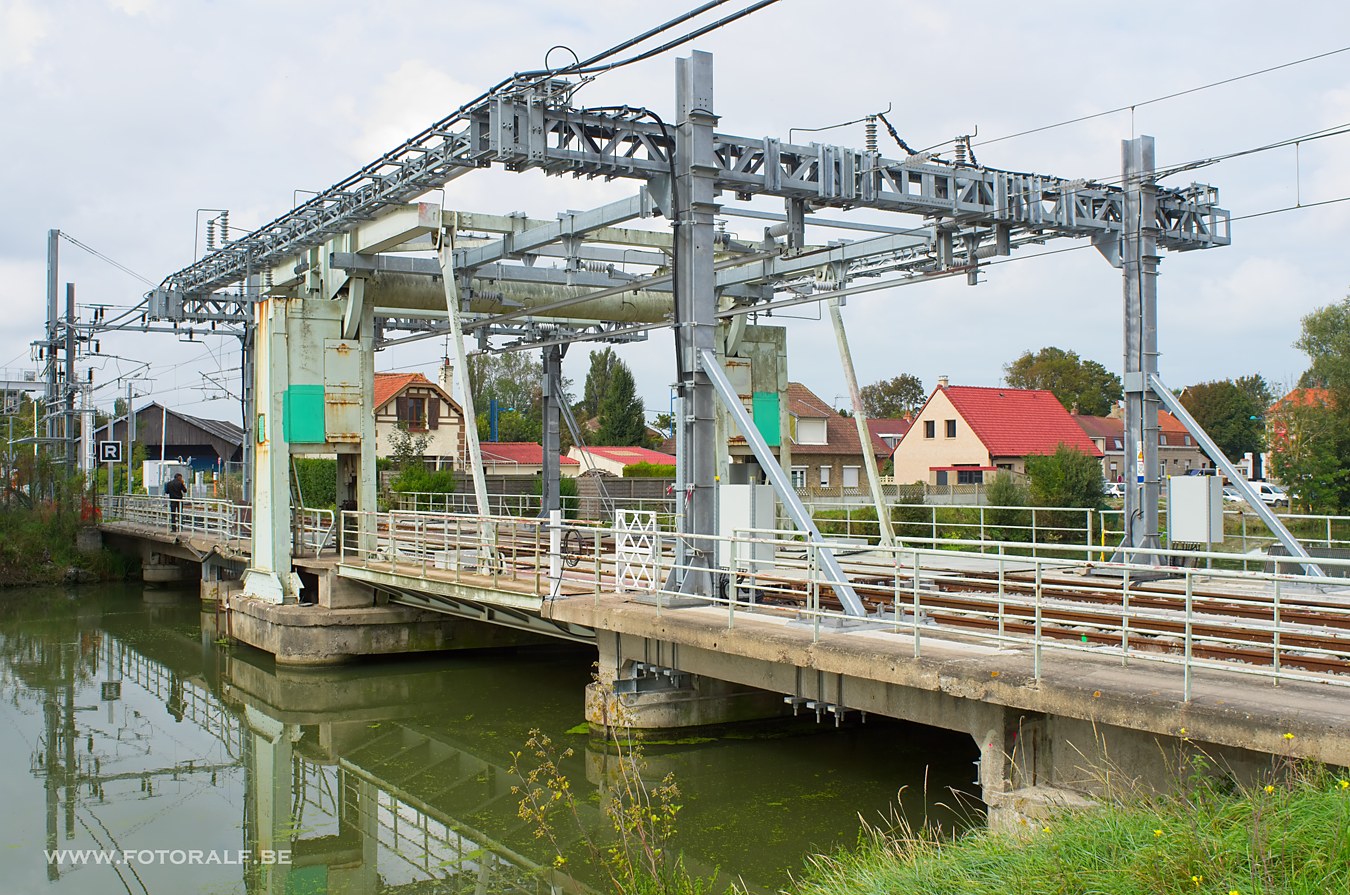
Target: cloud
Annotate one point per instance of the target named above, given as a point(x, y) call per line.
point(23, 28)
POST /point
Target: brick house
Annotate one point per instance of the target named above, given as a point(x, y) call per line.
point(1178, 452)
point(826, 456)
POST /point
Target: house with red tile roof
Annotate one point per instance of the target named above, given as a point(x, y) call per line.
point(1283, 423)
point(521, 458)
point(965, 433)
point(826, 456)
point(1178, 452)
point(414, 402)
point(613, 459)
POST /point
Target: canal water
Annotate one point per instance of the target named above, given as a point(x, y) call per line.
point(126, 727)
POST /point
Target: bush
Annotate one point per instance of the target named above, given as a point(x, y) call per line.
point(316, 479)
point(1066, 478)
point(1001, 522)
point(417, 478)
point(649, 471)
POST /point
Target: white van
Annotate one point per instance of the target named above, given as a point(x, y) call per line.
point(1272, 495)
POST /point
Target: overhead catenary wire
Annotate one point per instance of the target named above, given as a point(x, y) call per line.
point(1168, 96)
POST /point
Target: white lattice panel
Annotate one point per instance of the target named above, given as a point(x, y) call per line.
point(635, 550)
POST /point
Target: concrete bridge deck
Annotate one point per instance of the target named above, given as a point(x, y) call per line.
point(1056, 670)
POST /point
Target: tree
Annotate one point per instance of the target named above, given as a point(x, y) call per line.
point(598, 379)
point(1326, 341)
point(512, 377)
point(1311, 439)
point(622, 420)
point(1233, 414)
point(407, 448)
point(893, 398)
point(1086, 386)
point(1066, 478)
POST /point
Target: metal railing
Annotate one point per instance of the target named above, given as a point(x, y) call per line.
point(213, 518)
point(312, 530)
point(1276, 624)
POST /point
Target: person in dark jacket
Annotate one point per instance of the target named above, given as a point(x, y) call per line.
point(176, 489)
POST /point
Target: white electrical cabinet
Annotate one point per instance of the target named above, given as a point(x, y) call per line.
point(1195, 509)
point(742, 508)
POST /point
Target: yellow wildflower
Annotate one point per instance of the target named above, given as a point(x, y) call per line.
point(1344, 784)
point(1157, 832)
point(1288, 736)
point(1197, 880)
point(1269, 789)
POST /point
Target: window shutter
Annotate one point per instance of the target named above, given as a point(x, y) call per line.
point(433, 412)
point(401, 409)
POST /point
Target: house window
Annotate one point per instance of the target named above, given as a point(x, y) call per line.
point(951, 428)
point(1188, 441)
point(810, 431)
point(929, 428)
point(850, 476)
point(412, 412)
point(970, 477)
point(799, 477)
point(1117, 444)
point(824, 476)
point(942, 476)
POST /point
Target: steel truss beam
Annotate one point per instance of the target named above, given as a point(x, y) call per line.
point(524, 131)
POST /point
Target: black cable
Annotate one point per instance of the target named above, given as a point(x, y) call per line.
point(894, 136)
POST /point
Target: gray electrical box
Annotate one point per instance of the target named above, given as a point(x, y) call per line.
point(1195, 509)
point(742, 508)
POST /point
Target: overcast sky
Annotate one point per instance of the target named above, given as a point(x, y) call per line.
point(121, 118)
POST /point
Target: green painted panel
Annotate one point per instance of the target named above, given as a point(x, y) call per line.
point(302, 415)
point(765, 407)
point(307, 880)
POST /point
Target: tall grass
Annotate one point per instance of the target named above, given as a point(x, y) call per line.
point(1289, 836)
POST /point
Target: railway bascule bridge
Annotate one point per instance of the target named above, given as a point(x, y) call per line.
point(725, 617)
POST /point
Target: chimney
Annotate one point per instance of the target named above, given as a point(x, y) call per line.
point(942, 382)
point(446, 377)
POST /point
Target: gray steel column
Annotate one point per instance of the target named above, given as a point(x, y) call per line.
point(1139, 257)
point(53, 316)
point(551, 498)
point(131, 431)
point(695, 190)
point(249, 402)
point(68, 413)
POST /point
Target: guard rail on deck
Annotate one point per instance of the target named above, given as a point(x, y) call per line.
point(1276, 624)
point(313, 530)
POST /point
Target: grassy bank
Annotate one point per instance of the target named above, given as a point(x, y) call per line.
point(1290, 837)
point(37, 546)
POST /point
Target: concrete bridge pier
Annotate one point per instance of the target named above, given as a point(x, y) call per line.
point(638, 687)
point(220, 579)
point(1030, 760)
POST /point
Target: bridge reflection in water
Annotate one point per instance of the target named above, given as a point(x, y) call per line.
point(381, 778)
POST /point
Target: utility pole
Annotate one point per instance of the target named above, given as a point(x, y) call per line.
point(68, 435)
point(1139, 260)
point(53, 315)
point(131, 432)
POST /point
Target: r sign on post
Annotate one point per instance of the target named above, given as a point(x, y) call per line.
point(110, 452)
point(1139, 464)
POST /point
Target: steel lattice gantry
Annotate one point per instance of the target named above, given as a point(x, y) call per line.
point(687, 170)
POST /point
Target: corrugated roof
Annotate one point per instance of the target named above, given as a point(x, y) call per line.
point(1014, 422)
point(524, 453)
point(629, 455)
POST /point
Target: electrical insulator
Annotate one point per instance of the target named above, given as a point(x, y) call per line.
point(224, 228)
point(97, 347)
point(960, 151)
point(870, 134)
point(211, 234)
point(91, 374)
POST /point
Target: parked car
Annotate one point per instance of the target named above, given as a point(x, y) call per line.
point(1231, 494)
point(1272, 495)
point(1113, 489)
